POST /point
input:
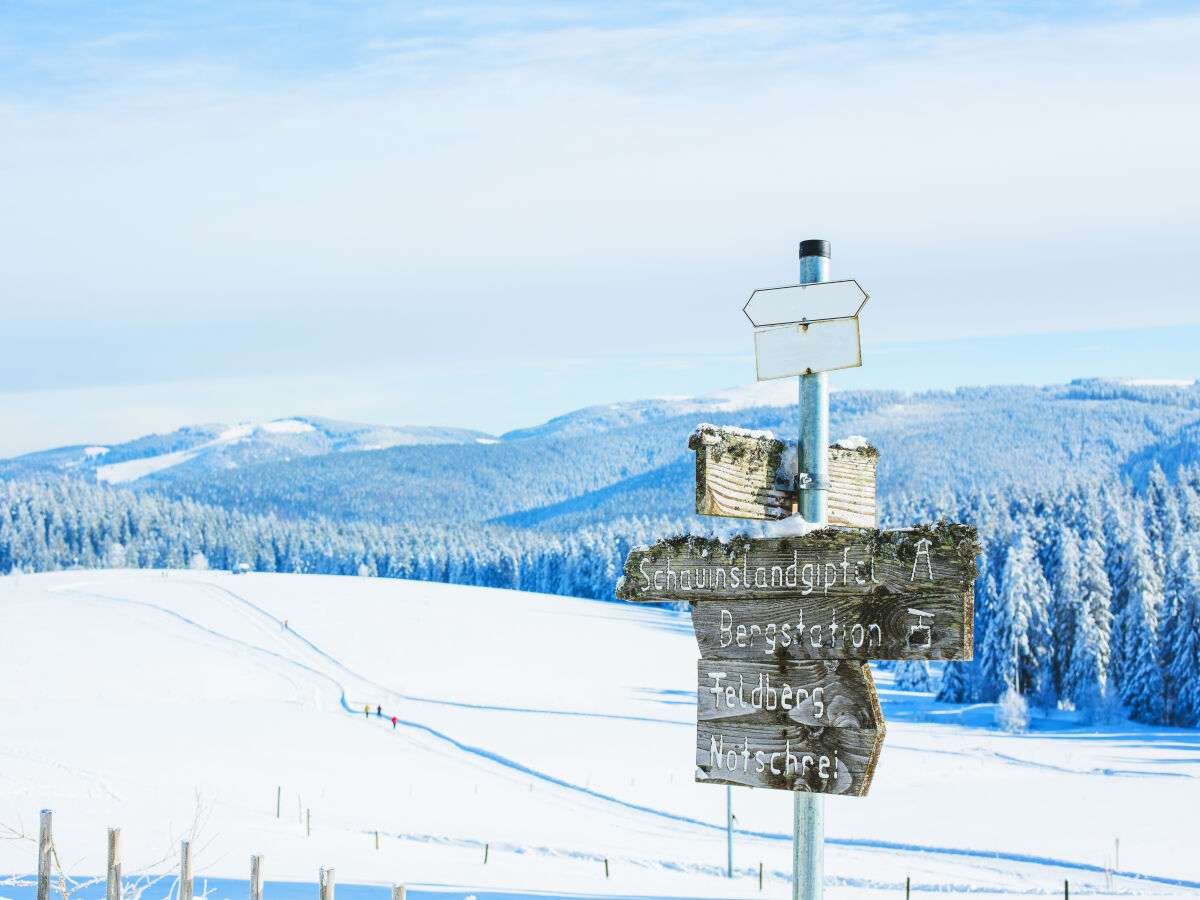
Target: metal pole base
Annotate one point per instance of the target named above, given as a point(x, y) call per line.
point(808, 846)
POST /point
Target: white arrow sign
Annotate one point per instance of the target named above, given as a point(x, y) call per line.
point(803, 349)
point(805, 303)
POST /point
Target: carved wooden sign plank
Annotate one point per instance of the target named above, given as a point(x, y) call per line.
point(788, 725)
point(750, 475)
point(829, 594)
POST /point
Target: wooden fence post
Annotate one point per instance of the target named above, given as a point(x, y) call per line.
point(278, 800)
point(113, 883)
point(255, 878)
point(185, 870)
point(326, 884)
point(398, 892)
point(1066, 889)
point(45, 846)
point(377, 839)
point(308, 823)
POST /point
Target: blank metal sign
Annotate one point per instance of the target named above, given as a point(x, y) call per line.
point(800, 349)
point(805, 303)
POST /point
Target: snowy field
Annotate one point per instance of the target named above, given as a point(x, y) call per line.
point(557, 732)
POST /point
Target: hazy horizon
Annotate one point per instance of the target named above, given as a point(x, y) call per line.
point(519, 396)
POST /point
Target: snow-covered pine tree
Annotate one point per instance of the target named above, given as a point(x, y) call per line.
point(956, 686)
point(1066, 589)
point(1018, 630)
point(1183, 671)
point(1160, 508)
point(1181, 581)
point(1135, 629)
point(913, 675)
point(1087, 676)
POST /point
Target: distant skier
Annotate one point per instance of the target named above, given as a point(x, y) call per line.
point(367, 711)
point(379, 712)
point(393, 723)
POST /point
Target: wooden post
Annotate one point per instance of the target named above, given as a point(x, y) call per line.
point(113, 881)
point(185, 870)
point(485, 854)
point(760, 876)
point(278, 800)
point(255, 878)
point(326, 884)
point(308, 823)
point(907, 885)
point(398, 892)
point(1066, 889)
point(606, 867)
point(45, 847)
point(376, 839)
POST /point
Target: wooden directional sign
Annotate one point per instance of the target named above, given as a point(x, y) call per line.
point(814, 302)
point(787, 725)
point(829, 594)
point(750, 476)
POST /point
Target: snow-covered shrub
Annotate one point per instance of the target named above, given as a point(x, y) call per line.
point(114, 557)
point(914, 675)
point(199, 562)
point(1012, 712)
point(1102, 706)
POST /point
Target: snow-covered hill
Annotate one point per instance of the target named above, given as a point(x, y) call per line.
point(557, 732)
point(213, 447)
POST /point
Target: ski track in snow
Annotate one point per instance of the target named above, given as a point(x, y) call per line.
point(1033, 764)
point(261, 618)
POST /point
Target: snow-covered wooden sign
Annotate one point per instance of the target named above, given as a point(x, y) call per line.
point(829, 594)
point(787, 725)
point(751, 475)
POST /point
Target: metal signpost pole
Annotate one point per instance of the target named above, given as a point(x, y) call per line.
point(729, 830)
point(808, 824)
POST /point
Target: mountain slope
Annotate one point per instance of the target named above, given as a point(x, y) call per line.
point(201, 448)
point(556, 760)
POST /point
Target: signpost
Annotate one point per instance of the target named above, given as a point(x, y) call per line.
point(829, 594)
point(811, 726)
point(786, 625)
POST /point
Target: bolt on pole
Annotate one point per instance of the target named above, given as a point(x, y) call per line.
point(808, 809)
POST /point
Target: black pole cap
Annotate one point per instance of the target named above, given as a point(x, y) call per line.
point(814, 248)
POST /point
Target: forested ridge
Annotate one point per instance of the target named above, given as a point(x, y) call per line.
point(1088, 591)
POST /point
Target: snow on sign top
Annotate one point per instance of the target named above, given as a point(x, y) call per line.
point(805, 303)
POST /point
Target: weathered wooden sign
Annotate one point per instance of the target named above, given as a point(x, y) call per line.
point(751, 475)
point(788, 725)
point(829, 594)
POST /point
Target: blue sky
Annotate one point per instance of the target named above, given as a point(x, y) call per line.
point(258, 200)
